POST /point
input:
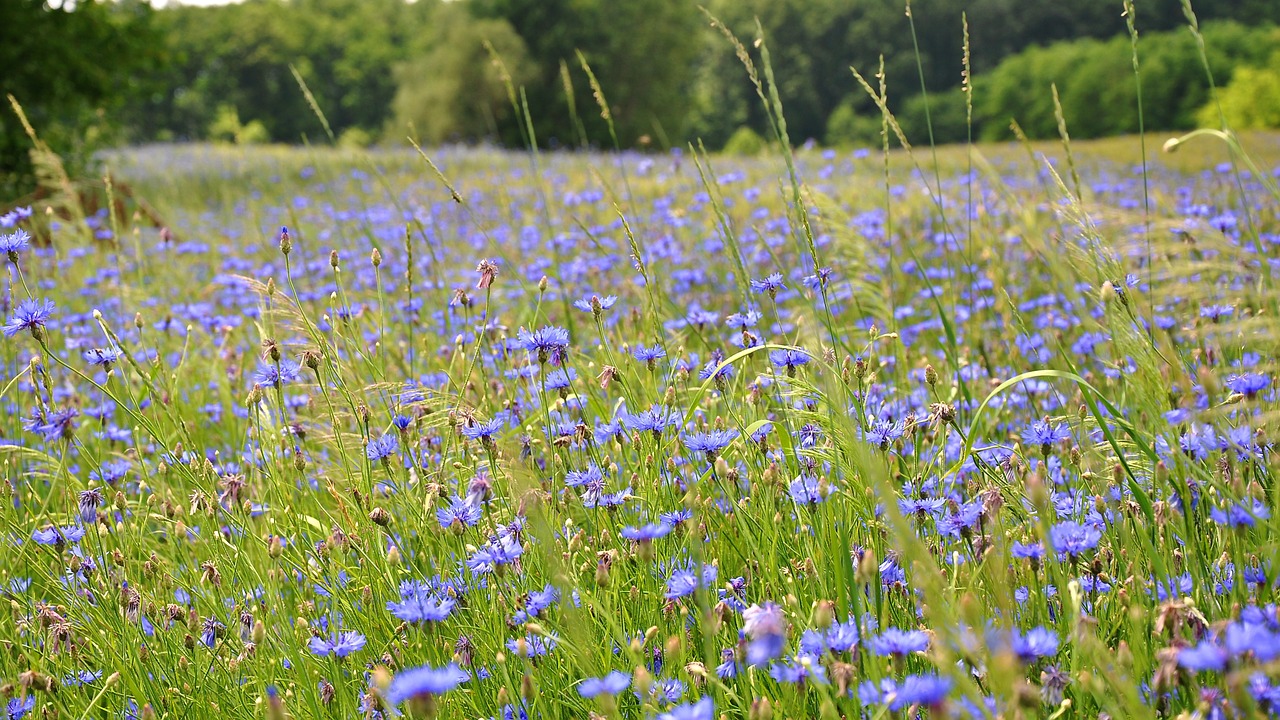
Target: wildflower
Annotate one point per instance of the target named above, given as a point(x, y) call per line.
point(421, 685)
point(13, 243)
point(488, 270)
point(767, 628)
point(646, 533)
point(656, 419)
point(103, 357)
point(548, 343)
point(611, 684)
point(18, 707)
point(818, 279)
point(419, 603)
point(771, 285)
point(595, 304)
point(685, 579)
point(88, 504)
point(806, 489)
point(1205, 656)
point(649, 355)
point(381, 449)
point(276, 374)
point(1072, 538)
point(339, 645)
point(461, 511)
point(58, 424)
point(1249, 384)
point(1045, 434)
point(31, 314)
point(704, 709)
point(1240, 515)
point(58, 536)
point(899, 642)
point(884, 433)
point(482, 432)
point(799, 673)
point(1037, 643)
point(709, 443)
point(923, 690)
point(789, 360)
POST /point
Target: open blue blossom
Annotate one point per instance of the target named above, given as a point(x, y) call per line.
point(1071, 538)
point(1248, 384)
point(425, 681)
point(646, 533)
point(894, 641)
point(30, 314)
point(1240, 515)
point(13, 243)
point(276, 374)
point(483, 431)
point(611, 684)
point(420, 603)
point(382, 448)
point(103, 357)
point(339, 645)
point(461, 511)
point(1037, 643)
point(685, 579)
point(1202, 657)
point(656, 419)
point(710, 443)
point(596, 304)
point(704, 709)
point(771, 285)
point(788, 359)
point(1044, 434)
point(547, 344)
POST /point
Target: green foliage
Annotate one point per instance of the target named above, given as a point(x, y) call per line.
point(849, 128)
point(72, 72)
point(1096, 84)
point(745, 141)
point(1251, 100)
point(454, 89)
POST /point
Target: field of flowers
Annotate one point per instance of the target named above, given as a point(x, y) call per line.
point(508, 435)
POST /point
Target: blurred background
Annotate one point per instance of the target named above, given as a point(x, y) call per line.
point(94, 74)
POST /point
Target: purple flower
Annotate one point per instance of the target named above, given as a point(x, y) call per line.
point(710, 443)
point(1045, 434)
point(461, 510)
point(276, 374)
point(382, 448)
point(339, 645)
point(58, 536)
point(611, 684)
point(1238, 515)
point(103, 357)
point(421, 603)
point(1037, 643)
point(894, 641)
point(767, 628)
point(548, 343)
point(788, 359)
point(704, 709)
point(13, 243)
point(1205, 656)
point(1072, 538)
point(424, 682)
point(31, 314)
point(483, 431)
point(771, 285)
point(646, 533)
point(1249, 384)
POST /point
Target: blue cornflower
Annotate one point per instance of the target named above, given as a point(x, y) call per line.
point(806, 489)
point(771, 284)
point(31, 314)
point(58, 424)
point(1037, 643)
point(483, 431)
point(789, 359)
point(17, 708)
point(649, 355)
point(548, 343)
point(710, 443)
point(894, 641)
point(1071, 538)
point(402, 422)
point(884, 433)
point(425, 682)
point(596, 304)
point(767, 629)
point(461, 511)
point(103, 357)
point(685, 579)
point(339, 645)
point(921, 690)
point(704, 709)
point(1248, 384)
point(799, 673)
point(713, 370)
point(59, 536)
point(421, 603)
point(110, 472)
point(611, 684)
point(276, 374)
point(13, 243)
point(656, 419)
point(646, 533)
point(818, 279)
point(382, 448)
point(1202, 657)
point(1045, 434)
point(1239, 514)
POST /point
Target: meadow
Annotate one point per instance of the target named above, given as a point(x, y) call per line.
point(471, 433)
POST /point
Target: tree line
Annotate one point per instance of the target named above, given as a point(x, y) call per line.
point(516, 71)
